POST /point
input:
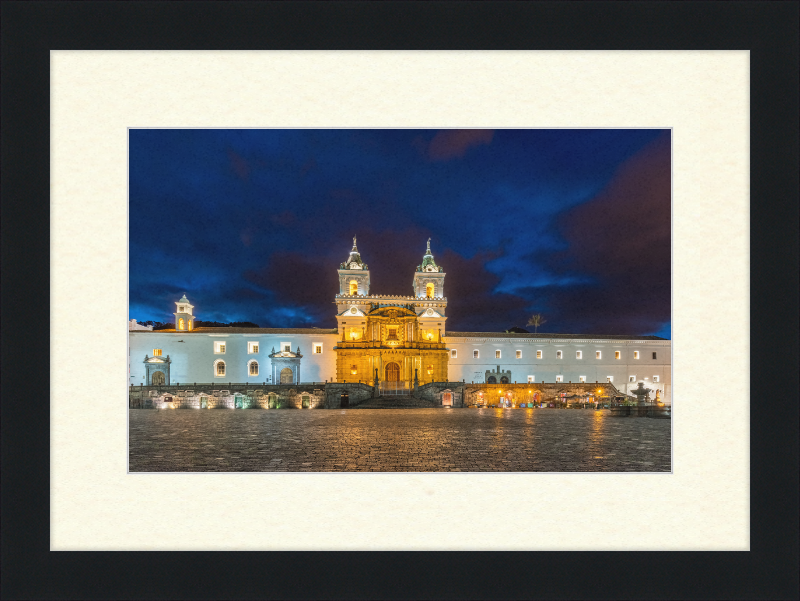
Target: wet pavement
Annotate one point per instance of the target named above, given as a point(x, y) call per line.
point(396, 440)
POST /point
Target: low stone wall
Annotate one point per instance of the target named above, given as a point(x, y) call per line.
point(436, 392)
point(236, 396)
point(357, 393)
point(327, 395)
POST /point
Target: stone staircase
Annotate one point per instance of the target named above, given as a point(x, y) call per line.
point(395, 402)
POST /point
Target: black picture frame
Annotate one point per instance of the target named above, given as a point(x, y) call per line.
point(767, 29)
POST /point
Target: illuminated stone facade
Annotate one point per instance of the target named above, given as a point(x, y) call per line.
point(391, 339)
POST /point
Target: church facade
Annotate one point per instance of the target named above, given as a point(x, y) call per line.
point(393, 342)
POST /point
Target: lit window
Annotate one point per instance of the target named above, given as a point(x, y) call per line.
point(354, 369)
point(219, 348)
point(609, 379)
point(579, 354)
point(392, 334)
point(654, 356)
point(317, 349)
point(497, 354)
point(655, 378)
point(635, 354)
point(220, 368)
point(631, 378)
point(252, 348)
point(519, 354)
point(539, 354)
point(355, 334)
point(181, 324)
point(559, 354)
point(156, 352)
point(559, 378)
point(429, 290)
point(531, 379)
point(616, 354)
point(454, 353)
point(598, 355)
point(582, 378)
point(353, 287)
point(254, 368)
point(430, 369)
point(475, 354)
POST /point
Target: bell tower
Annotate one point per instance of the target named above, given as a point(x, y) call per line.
point(184, 320)
point(429, 278)
point(354, 275)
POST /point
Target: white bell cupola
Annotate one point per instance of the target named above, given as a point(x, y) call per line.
point(354, 275)
point(429, 277)
point(184, 319)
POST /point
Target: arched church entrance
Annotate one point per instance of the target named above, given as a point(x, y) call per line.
point(392, 372)
point(158, 378)
point(287, 376)
point(491, 380)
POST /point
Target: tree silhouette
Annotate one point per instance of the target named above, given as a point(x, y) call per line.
point(536, 320)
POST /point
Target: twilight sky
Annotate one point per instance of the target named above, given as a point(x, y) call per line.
point(252, 224)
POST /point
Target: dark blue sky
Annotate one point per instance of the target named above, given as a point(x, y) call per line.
point(252, 224)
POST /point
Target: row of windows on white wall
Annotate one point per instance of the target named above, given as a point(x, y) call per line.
point(559, 354)
point(532, 379)
point(219, 368)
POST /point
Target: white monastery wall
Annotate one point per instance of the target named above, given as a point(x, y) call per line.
point(193, 360)
point(625, 371)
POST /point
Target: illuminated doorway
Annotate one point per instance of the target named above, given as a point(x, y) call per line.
point(158, 378)
point(392, 372)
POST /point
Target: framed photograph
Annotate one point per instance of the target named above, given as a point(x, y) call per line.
point(301, 70)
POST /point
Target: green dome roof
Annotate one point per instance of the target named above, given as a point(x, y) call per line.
point(354, 257)
point(427, 261)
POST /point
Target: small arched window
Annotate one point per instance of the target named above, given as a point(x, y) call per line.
point(181, 324)
point(353, 287)
point(429, 290)
point(254, 368)
point(220, 368)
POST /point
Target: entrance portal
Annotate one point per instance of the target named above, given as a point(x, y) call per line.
point(158, 378)
point(392, 372)
point(287, 375)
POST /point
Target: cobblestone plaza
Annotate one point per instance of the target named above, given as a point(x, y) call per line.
point(397, 440)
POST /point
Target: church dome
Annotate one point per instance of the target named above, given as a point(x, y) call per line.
point(354, 260)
